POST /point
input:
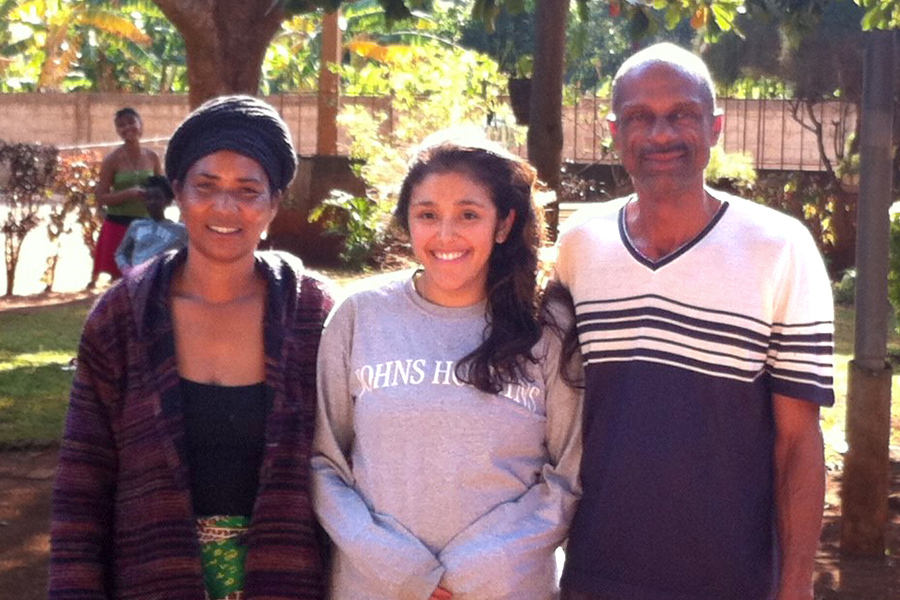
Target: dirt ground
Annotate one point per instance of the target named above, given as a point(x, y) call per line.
point(26, 479)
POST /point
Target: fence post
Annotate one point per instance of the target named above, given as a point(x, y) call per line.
point(761, 134)
point(575, 130)
point(594, 130)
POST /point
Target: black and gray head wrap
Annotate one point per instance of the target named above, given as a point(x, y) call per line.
point(242, 124)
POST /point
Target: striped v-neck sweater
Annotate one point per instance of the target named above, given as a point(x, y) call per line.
point(682, 357)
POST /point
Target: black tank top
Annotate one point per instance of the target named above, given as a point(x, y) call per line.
point(225, 433)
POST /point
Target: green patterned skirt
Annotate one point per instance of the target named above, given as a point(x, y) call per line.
point(222, 553)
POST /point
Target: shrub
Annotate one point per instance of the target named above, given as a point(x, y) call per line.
point(734, 167)
point(431, 87)
point(845, 288)
point(828, 212)
point(75, 180)
point(26, 176)
point(894, 264)
point(360, 221)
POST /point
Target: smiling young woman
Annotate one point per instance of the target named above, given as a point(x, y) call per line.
point(184, 469)
point(453, 228)
point(447, 444)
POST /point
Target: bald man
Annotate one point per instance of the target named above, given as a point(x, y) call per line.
point(706, 325)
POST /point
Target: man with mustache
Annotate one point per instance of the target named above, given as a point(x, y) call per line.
point(705, 322)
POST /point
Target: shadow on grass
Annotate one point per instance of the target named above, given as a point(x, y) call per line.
point(26, 481)
point(854, 577)
point(33, 404)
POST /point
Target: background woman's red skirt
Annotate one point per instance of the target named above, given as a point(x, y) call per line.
point(111, 235)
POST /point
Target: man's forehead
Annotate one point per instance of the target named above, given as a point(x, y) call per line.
point(660, 82)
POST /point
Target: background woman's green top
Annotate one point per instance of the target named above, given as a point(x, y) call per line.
point(123, 180)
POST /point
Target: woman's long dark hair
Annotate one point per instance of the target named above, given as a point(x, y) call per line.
point(513, 292)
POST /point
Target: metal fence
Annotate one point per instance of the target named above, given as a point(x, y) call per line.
point(778, 134)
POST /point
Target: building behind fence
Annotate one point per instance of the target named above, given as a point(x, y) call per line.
point(764, 128)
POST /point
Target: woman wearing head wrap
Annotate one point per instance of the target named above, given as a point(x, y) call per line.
point(183, 472)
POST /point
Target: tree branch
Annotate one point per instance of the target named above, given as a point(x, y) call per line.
point(820, 138)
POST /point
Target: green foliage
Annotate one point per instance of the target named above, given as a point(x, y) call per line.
point(35, 349)
point(55, 39)
point(118, 63)
point(128, 45)
point(814, 48)
point(735, 167)
point(26, 175)
point(292, 59)
point(845, 288)
point(361, 222)
point(880, 14)
point(597, 42)
point(89, 45)
point(647, 18)
point(510, 43)
point(431, 87)
point(894, 264)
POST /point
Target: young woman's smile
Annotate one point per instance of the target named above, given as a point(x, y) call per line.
point(453, 226)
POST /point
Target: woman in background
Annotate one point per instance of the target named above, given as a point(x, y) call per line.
point(120, 189)
point(184, 468)
point(448, 440)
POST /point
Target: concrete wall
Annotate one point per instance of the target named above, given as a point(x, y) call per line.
point(86, 119)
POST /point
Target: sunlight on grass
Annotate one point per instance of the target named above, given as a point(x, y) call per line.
point(833, 419)
point(35, 359)
point(35, 348)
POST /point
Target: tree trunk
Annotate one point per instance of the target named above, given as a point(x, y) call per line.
point(843, 226)
point(329, 97)
point(545, 134)
point(865, 488)
point(225, 42)
point(12, 251)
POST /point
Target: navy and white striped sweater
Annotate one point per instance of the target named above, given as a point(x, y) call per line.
point(682, 359)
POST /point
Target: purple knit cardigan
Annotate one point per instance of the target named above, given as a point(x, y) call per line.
point(122, 522)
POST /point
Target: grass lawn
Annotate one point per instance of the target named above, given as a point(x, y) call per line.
point(36, 345)
point(833, 418)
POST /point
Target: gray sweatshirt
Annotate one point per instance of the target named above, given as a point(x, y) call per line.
point(420, 479)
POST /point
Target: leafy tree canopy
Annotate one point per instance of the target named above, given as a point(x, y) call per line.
point(880, 14)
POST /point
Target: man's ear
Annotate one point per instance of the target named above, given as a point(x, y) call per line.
point(504, 227)
point(717, 125)
point(613, 126)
